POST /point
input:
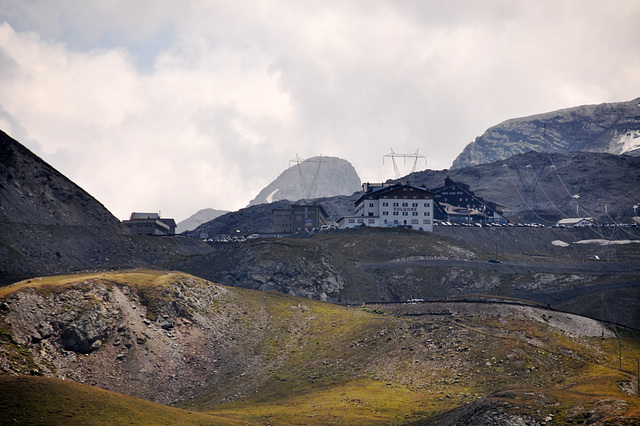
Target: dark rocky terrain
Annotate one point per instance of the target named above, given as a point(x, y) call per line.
point(49, 225)
point(315, 177)
point(606, 128)
point(543, 188)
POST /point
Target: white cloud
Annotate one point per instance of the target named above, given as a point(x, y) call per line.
point(159, 105)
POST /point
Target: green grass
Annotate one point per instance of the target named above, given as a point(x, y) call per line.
point(39, 400)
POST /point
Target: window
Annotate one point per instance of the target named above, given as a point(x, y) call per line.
point(395, 213)
point(385, 213)
point(372, 221)
point(370, 204)
point(427, 214)
point(352, 221)
point(360, 220)
point(414, 205)
point(426, 221)
point(395, 204)
point(405, 213)
point(395, 222)
point(426, 204)
point(405, 204)
point(385, 204)
point(414, 221)
point(414, 214)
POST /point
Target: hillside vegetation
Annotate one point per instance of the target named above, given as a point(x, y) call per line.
point(269, 358)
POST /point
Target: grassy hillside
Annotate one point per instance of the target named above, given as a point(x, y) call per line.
point(269, 358)
point(39, 400)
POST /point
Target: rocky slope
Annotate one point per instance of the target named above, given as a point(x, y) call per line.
point(355, 266)
point(255, 358)
point(544, 188)
point(606, 128)
point(50, 225)
point(315, 177)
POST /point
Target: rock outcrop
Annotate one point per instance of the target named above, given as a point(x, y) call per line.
point(313, 178)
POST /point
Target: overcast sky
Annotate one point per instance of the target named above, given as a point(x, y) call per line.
point(175, 106)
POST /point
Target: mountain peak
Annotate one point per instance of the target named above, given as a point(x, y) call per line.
point(612, 128)
point(315, 177)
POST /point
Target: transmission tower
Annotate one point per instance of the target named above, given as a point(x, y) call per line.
point(307, 191)
point(415, 157)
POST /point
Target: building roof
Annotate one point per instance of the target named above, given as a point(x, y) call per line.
point(137, 215)
point(378, 192)
point(574, 220)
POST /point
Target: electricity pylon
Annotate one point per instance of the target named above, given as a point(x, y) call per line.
point(415, 157)
point(307, 191)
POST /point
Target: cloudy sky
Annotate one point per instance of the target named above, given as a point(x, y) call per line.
point(174, 106)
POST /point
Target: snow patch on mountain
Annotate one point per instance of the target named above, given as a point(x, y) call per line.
point(270, 196)
point(629, 141)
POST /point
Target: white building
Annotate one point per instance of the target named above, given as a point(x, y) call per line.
point(392, 206)
point(575, 222)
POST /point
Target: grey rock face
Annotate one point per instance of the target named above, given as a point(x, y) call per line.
point(313, 178)
point(612, 128)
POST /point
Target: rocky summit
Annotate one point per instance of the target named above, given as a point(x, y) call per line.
point(607, 128)
point(312, 178)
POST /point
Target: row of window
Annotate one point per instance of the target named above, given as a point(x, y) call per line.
point(386, 204)
point(395, 222)
point(386, 213)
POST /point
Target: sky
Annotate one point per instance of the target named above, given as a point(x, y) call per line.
point(175, 106)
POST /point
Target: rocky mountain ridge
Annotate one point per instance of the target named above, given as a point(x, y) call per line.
point(50, 225)
point(606, 128)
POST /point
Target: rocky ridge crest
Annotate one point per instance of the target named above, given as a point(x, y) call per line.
point(612, 128)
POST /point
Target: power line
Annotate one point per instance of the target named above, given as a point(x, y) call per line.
point(395, 155)
point(307, 191)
